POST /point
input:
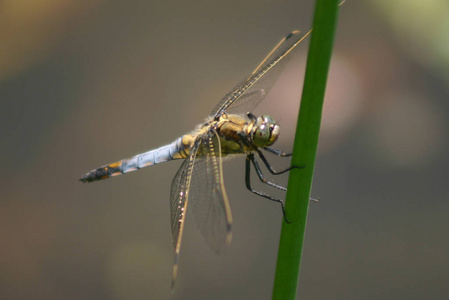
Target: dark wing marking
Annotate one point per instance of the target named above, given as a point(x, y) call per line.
point(208, 198)
point(250, 92)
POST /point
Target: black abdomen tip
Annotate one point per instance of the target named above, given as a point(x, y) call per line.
point(95, 175)
point(89, 177)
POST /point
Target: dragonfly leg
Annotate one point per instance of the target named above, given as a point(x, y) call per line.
point(262, 178)
point(270, 168)
point(251, 158)
point(278, 152)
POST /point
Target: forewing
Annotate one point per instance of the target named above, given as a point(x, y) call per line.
point(250, 92)
point(208, 198)
point(179, 198)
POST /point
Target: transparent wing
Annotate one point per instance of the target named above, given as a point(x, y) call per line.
point(208, 198)
point(179, 198)
point(250, 92)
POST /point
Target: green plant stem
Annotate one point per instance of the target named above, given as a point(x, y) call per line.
point(304, 150)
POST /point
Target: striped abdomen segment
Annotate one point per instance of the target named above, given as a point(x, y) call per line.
point(165, 153)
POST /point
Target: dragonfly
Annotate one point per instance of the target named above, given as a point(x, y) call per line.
point(231, 129)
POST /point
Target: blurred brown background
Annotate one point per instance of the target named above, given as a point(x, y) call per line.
point(84, 83)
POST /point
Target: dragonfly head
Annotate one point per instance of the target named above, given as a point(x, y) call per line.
point(265, 131)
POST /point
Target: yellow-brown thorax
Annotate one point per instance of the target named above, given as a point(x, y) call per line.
point(237, 134)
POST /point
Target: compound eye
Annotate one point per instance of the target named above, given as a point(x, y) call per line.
point(268, 119)
point(262, 135)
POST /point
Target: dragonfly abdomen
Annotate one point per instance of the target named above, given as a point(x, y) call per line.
point(165, 153)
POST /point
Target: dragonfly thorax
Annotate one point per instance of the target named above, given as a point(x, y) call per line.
point(264, 131)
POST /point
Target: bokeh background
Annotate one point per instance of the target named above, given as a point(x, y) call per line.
point(85, 83)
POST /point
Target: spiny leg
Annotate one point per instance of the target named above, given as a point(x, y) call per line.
point(270, 168)
point(249, 158)
point(259, 173)
point(262, 178)
point(278, 152)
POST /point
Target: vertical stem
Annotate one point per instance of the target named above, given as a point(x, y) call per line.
point(304, 150)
